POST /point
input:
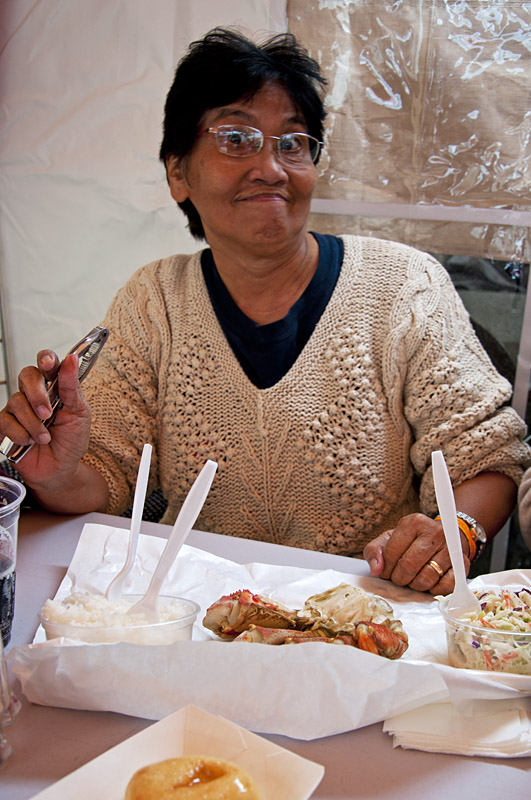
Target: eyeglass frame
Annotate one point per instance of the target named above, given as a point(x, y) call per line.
point(278, 151)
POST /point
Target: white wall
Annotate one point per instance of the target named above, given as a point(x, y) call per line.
point(83, 197)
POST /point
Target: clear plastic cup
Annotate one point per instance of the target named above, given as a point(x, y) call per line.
point(174, 629)
point(12, 494)
point(472, 645)
point(9, 707)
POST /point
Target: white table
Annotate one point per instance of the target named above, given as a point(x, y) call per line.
point(52, 742)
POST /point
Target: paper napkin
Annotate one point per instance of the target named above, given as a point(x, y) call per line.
point(496, 730)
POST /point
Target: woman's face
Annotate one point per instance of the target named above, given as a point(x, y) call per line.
point(254, 203)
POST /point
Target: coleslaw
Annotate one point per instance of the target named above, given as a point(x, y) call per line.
point(496, 638)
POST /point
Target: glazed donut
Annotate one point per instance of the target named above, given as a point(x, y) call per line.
point(191, 778)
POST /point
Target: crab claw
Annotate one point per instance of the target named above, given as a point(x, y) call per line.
point(380, 640)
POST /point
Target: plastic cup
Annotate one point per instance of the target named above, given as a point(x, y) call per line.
point(9, 707)
point(472, 645)
point(9, 703)
point(176, 629)
point(12, 494)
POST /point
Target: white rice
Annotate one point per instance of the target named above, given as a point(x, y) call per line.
point(95, 610)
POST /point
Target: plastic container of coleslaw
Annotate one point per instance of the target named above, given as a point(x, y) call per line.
point(498, 638)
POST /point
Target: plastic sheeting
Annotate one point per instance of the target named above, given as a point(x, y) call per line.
point(428, 139)
point(83, 197)
point(429, 119)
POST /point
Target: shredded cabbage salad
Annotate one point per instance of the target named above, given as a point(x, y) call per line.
point(496, 638)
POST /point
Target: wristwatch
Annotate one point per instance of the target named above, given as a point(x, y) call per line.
point(477, 533)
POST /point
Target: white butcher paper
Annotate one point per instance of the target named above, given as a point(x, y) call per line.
point(333, 688)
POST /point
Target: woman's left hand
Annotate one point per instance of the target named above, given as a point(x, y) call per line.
point(414, 554)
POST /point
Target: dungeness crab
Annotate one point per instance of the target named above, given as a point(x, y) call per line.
point(342, 615)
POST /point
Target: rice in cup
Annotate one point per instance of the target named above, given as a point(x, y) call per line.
point(92, 618)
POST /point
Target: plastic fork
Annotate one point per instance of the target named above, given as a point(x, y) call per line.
point(462, 600)
point(188, 514)
point(114, 589)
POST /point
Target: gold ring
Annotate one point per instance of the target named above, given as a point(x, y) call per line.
point(436, 567)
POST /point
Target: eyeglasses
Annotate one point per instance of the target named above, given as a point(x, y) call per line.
point(242, 141)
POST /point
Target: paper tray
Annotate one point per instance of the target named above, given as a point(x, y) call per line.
point(279, 774)
point(333, 688)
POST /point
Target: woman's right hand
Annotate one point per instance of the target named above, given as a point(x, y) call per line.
point(56, 451)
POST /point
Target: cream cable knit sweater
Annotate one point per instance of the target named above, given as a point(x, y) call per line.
point(524, 500)
point(339, 449)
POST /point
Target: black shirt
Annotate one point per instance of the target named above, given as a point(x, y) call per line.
point(267, 352)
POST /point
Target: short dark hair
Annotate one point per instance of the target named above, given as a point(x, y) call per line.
point(225, 66)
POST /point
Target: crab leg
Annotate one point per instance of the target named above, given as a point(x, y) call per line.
point(371, 637)
point(283, 636)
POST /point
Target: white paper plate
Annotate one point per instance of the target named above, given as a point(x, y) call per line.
point(279, 774)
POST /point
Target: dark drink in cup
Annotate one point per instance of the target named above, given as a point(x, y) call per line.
point(11, 495)
point(7, 599)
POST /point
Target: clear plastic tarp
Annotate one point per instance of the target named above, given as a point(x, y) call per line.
point(429, 127)
point(428, 142)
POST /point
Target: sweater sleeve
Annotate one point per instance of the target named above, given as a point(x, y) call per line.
point(124, 387)
point(524, 501)
point(453, 398)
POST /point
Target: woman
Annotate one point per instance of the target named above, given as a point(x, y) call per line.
point(319, 372)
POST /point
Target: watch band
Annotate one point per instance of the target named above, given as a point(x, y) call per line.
point(473, 532)
point(469, 536)
point(467, 531)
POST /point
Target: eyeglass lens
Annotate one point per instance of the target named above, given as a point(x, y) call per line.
point(246, 141)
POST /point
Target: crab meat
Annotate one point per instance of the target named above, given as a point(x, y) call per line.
point(234, 613)
point(349, 609)
point(342, 615)
point(340, 608)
